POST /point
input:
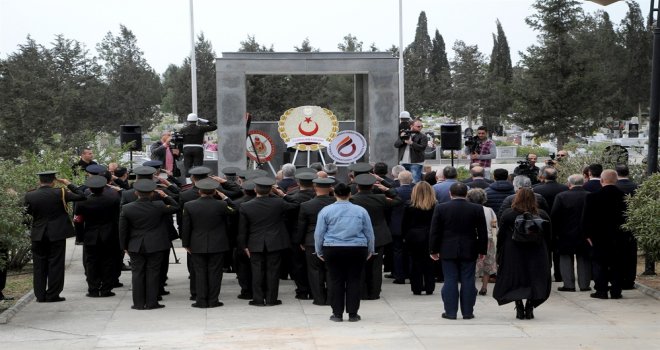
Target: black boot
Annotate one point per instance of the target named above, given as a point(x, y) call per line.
point(520, 310)
point(529, 310)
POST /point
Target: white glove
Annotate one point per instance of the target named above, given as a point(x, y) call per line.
point(202, 120)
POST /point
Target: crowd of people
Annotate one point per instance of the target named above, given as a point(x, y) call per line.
point(336, 239)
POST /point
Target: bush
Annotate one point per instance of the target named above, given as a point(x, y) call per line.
point(643, 216)
point(595, 154)
point(539, 151)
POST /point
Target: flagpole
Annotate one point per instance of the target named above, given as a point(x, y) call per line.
point(401, 78)
point(193, 63)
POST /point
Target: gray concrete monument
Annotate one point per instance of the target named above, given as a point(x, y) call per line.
point(376, 95)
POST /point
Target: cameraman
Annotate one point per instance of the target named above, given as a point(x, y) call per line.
point(411, 145)
point(528, 168)
point(484, 151)
point(193, 139)
point(165, 151)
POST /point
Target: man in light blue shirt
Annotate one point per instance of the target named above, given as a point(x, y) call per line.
point(344, 239)
point(449, 174)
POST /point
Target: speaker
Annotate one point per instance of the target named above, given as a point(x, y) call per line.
point(131, 133)
point(450, 137)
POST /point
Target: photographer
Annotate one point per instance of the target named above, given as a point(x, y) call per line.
point(411, 145)
point(481, 149)
point(528, 168)
point(165, 151)
point(193, 139)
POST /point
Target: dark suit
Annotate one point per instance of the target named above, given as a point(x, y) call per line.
point(240, 259)
point(458, 234)
point(592, 185)
point(51, 225)
point(316, 270)
point(205, 233)
point(143, 232)
point(263, 232)
point(568, 236)
point(293, 261)
point(286, 182)
point(603, 215)
point(479, 183)
point(378, 206)
point(630, 264)
point(549, 191)
point(399, 258)
point(100, 215)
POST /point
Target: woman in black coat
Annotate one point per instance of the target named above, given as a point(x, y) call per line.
point(415, 228)
point(524, 268)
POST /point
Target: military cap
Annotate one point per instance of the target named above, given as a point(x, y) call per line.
point(248, 186)
point(144, 170)
point(206, 184)
point(199, 171)
point(256, 173)
point(230, 171)
point(323, 182)
point(47, 176)
point(306, 177)
point(305, 170)
point(96, 181)
point(96, 169)
point(144, 185)
point(360, 168)
point(365, 180)
point(264, 181)
point(153, 163)
point(241, 173)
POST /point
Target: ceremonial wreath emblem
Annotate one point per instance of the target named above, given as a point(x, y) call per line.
point(308, 128)
point(348, 147)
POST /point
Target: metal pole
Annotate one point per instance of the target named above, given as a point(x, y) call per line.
point(401, 76)
point(193, 64)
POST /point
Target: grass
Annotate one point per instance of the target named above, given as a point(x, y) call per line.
point(18, 284)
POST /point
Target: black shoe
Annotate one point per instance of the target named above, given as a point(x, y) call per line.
point(529, 310)
point(92, 294)
point(157, 306)
point(399, 281)
point(417, 293)
point(125, 267)
point(483, 291)
point(616, 296)
point(256, 303)
point(274, 303)
point(429, 292)
point(389, 275)
point(585, 289)
point(598, 295)
point(304, 296)
point(164, 292)
point(245, 296)
point(336, 318)
point(79, 243)
point(558, 279)
point(199, 305)
point(137, 307)
point(216, 304)
point(193, 297)
point(106, 294)
point(520, 310)
point(444, 315)
point(159, 298)
point(117, 285)
point(565, 289)
point(354, 318)
point(468, 317)
point(54, 300)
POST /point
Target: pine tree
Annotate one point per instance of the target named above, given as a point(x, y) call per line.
point(498, 99)
point(439, 76)
point(417, 62)
point(468, 81)
point(636, 69)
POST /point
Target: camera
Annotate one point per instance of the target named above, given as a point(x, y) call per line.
point(406, 134)
point(551, 161)
point(473, 143)
point(525, 168)
point(176, 142)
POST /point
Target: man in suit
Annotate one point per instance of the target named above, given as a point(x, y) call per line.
point(400, 259)
point(204, 234)
point(143, 234)
point(241, 260)
point(549, 189)
point(594, 183)
point(378, 206)
point(477, 179)
point(458, 236)
point(603, 215)
point(568, 236)
point(449, 177)
point(628, 187)
point(51, 226)
point(288, 174)
point(262, 235)
point(304, 238)
point(99, 216)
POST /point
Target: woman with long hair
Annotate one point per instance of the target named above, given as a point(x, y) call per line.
point(486, 265)
point(524, 267)
point(415, 228)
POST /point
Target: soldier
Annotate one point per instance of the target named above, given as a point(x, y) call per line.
point(205, 237)
point(51, 225)
point(241, 260)
point(143, 234)
point(304, 237)
point(193, 139)
point(263, 235)
point(99, 216)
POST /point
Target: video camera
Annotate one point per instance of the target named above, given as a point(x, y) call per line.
point(176, 142)
point(473, 143)
point(525, 168)
point(551, 161)
point(406, 134)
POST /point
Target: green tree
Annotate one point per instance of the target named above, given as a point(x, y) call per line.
point(468, 77)
point(133, 92)
point(636, 69)
point(498, 100)
point(439, 76)
point(417, 61)
point(350, 44)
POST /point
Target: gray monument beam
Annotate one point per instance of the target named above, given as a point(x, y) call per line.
point(231, 101)
point(383, 107)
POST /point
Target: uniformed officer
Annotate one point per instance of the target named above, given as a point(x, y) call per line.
point(241, 260)
point(263, 235)
point(204, 234)
point(143, 234)
point(355, 170)
point(99, 216)
point(51, 225)
point(304, 237)
point(193, 139)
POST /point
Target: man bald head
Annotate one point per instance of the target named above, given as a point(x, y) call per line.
point(608, 177)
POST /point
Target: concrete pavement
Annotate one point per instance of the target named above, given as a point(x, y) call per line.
point(398, 320)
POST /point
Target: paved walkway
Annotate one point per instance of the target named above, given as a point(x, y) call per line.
point(398, 320)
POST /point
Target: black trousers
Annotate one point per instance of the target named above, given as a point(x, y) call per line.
point(316, 275)
point(208, 272)
point(299, 271)
point(400, 259)
point(345, 265)
point(243, 272)
point(265, 273)
point(164, 269)
point(192, 157)
point(100, 267)
point(48, 260)
point(146, 278)
point(372, 276)
point(3, 274)
point(422, 268)
point(192, 280)
point(608, 269)
point(629, 263)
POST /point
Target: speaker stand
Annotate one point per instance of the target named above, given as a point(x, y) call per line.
point(452, 158)
point(130, 152)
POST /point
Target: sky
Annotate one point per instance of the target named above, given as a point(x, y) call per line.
point(162, 27)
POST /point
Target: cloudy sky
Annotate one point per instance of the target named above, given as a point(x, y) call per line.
point(162, 27)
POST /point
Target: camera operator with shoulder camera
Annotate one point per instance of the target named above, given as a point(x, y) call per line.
point(412, 144)
point(193, 140)
point(481, 149)
point(166, 151)
point(528, 168)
